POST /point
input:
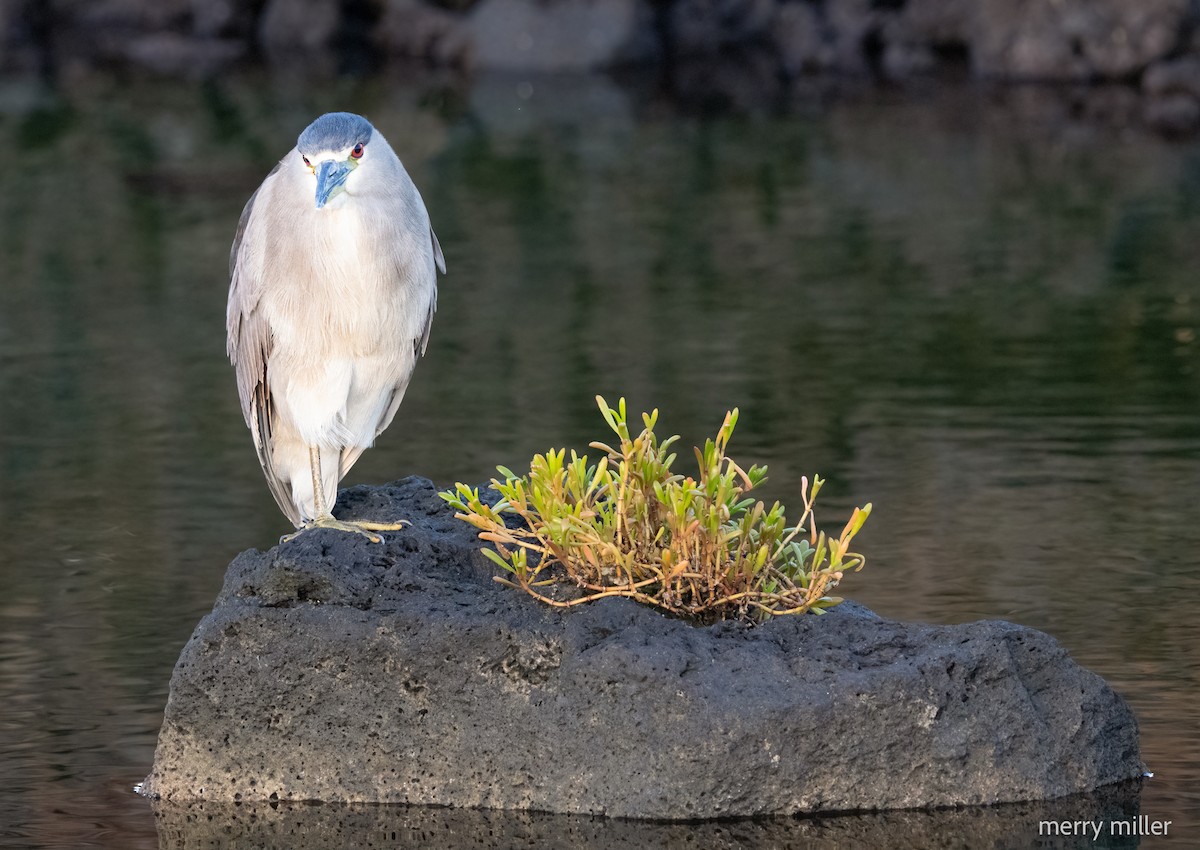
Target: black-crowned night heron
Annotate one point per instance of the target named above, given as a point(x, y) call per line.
point(332, 293)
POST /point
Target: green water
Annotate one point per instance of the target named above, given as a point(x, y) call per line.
point(968, 308)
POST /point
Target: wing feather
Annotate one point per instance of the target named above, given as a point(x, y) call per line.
point(351, 454)
point(438, 257)
point(423, 341)
point(249, 344)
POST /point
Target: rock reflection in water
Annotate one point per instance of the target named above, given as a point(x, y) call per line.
point(294, 826)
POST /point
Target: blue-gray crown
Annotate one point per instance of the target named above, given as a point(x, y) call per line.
point(334, 131)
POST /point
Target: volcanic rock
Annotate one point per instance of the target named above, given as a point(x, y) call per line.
point(335, 669)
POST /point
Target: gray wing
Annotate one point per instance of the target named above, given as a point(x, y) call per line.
point(249, 343)
point(351, 454)
point(423, 341)
point(437, 252)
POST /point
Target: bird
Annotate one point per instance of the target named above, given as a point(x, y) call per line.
point(333, 288)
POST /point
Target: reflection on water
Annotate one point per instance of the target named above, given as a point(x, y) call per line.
point(966, 309)
point(282, 826)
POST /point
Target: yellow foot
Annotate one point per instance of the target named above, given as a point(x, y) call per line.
point(363, 527)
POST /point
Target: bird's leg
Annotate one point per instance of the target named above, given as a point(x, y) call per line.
point(325, 519)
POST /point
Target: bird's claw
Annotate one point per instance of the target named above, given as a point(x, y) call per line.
point(366, 528)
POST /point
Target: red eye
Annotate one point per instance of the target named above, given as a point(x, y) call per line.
point(306, 162)
point(358, 151)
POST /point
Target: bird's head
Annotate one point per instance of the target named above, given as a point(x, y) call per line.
point(333, 148)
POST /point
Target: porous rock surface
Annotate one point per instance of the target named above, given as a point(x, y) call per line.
point(333, 669)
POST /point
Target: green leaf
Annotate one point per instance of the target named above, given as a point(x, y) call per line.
point(496, 557)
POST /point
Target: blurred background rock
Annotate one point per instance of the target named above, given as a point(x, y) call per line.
point(758, 49)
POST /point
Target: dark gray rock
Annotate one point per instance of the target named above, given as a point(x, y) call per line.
point(299, 24)
point(168, 53)
point(1176, 113)
point(566, 35)
point(1073, 39)
point(414, 29)
point(799, 38)
point(742, 46)
point(1172, 91)
point(1181, 76)
point(333, 669)
point(941, 23)
point(707, 26)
